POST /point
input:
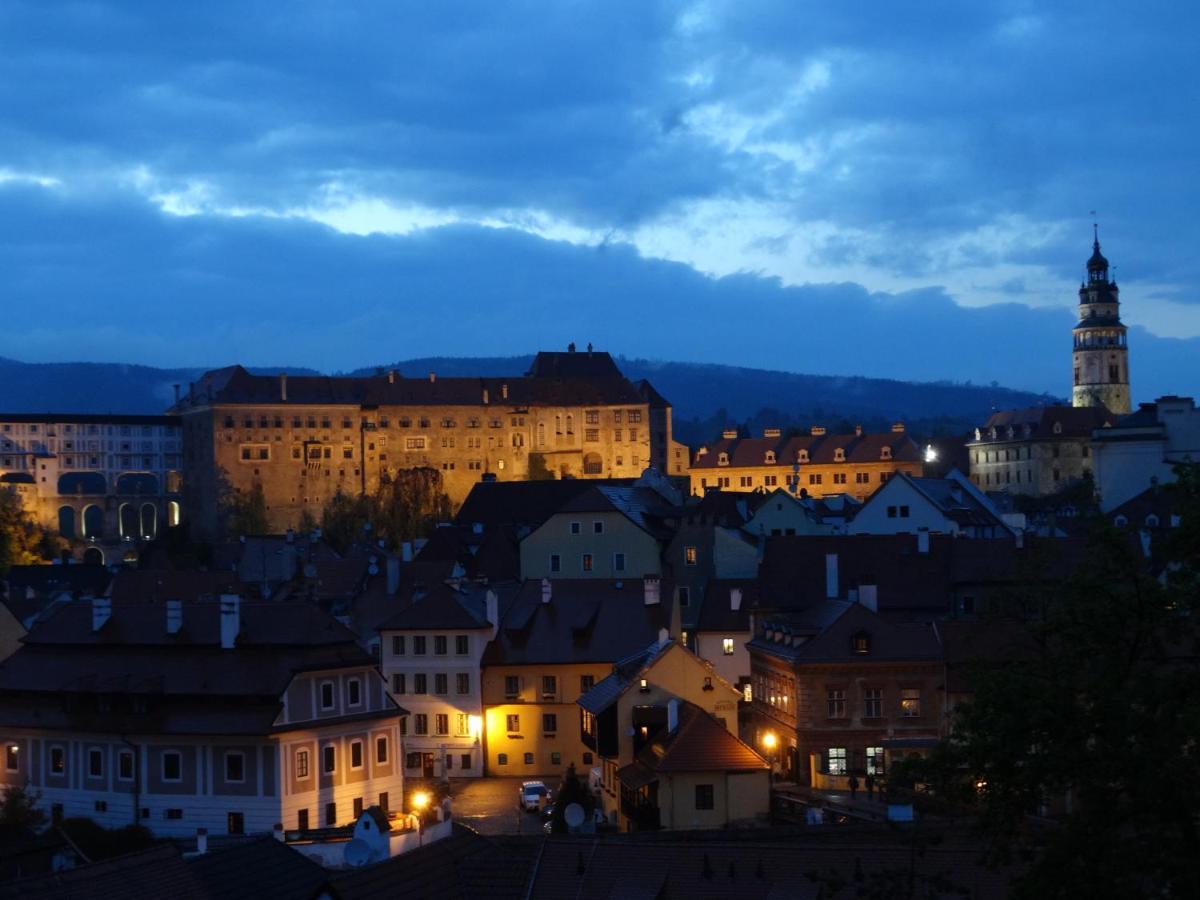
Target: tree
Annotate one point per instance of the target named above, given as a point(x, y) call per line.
point(1100, 716)
point(538, 470)
point(22, 541)
point(19, 808)
point(405, 506)
point(572, 790)
point(245, 512)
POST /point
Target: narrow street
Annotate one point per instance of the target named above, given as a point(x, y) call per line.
point(489, 805)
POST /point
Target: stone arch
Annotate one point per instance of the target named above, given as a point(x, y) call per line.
point(127, 521)
point(93, 556)
point(93, 521)
point(593, 464)
point(66, 522)
point(82, 483)
point(149, 521)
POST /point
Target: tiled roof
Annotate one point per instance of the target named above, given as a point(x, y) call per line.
point(523, 503)
point(888, 641)
point(699, 744)
point(158, 871)
point(646, 508)
point(717, 612)
point(258, 868)
point(157, 585)
point(821, 449)
point(586, 620)
point(1075, 422)
point(441, 607)
point(553, 384)
point(606, 691)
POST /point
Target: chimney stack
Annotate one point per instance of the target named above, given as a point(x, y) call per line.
point(922, 541)
point(283, 387)
point(831, 576)
point(735, 599)
point(817, 430)
point(652, 590)
point(393, 575)
point(485, 396)
point(432, 377)
point(391, 376)
point(504, 391)
point(493, 611)
point(547, 590)
point(174, 616)
point(858, 431)
point(101, 612)
point(868, 596)
point(898, 428)
point(231, 620)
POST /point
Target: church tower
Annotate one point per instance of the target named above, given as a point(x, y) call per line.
point(1101, 355)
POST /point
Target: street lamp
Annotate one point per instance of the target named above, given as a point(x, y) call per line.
point(420, 801)
point(769, 741)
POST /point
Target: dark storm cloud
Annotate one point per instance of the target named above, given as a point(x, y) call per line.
point(208, 291)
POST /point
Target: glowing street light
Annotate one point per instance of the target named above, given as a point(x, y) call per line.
point(420, 801)
point(769, 741)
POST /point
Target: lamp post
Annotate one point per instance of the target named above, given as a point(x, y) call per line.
point(769, 741)
point(420, 802)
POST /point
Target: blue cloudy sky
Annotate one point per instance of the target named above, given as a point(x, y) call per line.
point(896, 189)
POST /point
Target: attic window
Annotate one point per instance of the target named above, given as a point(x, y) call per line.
point(839, 455)
point(1120, 521)
point(1151, 521)
point(860, 643)
point(801, 456)
point(770, 460)
point(723, 459)
point(644, 686)
point(885, 453)
point(1058, 427)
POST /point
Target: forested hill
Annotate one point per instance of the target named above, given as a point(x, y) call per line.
point(706, 397)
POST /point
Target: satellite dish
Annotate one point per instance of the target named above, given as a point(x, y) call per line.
point(357, 854)
point(573, 815)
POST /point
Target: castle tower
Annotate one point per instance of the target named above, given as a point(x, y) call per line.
point(1101, 355)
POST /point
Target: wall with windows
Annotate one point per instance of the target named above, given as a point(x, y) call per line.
point(589, 545)
point(435, 675)
point(713, 799)
point(859, 479)
point(727, 652)
point(531, 718)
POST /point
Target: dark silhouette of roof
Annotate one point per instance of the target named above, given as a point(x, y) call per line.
point(717, 612)
point(248, 870)
point(699, 744)
point(157, 871)
point(1073, 422)
point(441, 607)
point(525, 504)
point(823, 635)
point(821, 449)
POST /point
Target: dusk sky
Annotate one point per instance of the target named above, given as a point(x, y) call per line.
point(886, 189)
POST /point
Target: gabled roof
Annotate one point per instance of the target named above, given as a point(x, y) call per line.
point(699, 744)
point(821, 449)
point(645, 508)
point(953, 496)
point(523, 503)
point(441, 607)
point(586, 620)
point(264, 867)
point(1074, 422)
point(888, 641)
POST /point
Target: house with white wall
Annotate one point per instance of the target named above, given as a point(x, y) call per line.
point(229, 716)
point(950, 505)
point(1143, 448)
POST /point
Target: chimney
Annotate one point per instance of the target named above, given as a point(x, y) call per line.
point(174, 616)
point(231, 620)
point(547, 590)
point(922, 541)
point(391, 376)
point(771, 432)
point(201, 840)
point(817, 430)
point(735, 599)
point(277, 831)
point(101, 612)
point(831, 576)
point(868, 596)
point(652, 590)
point(493, 611)
point(729, 434)
point(393, 575)
point(176, 393)
point(672, 715)
point(898, 428)
point(432, 377)
point(664, 637)
point(283, 386)
point(406, 551)
point(485, 396)
point(504, 391)
point(858, 431)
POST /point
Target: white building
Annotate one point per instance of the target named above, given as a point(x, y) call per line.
point(219, 715)
point(429, 655)
point(1143, 448)
point(950, 505)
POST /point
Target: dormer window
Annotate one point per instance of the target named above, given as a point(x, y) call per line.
point(1058, 427)
point(885, 453)
point(723, 459)
point(839, 455)
point(860, 643)
point(1151, 521)
point(801, 456)
point(770, 458)
point(993, 432)
point(978, 436)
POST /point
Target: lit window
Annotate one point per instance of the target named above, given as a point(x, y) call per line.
point(910, 703)
point(301, 763)
point(689, 556)
point(727, 646)
point(837, 760)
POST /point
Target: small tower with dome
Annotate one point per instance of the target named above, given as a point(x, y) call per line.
point(1100, 355)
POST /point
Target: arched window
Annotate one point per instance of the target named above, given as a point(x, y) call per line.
point(127, 521)
point(173, 513)
point(149, 521)
point(93, 556)
point(66, 522)
point(593, 464)
point(93, 522)
point(1152, 521)
point(82, 484)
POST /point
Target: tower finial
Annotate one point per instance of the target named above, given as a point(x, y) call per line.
point(1095, 231)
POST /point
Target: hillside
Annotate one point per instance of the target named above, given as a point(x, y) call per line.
point(707, 397)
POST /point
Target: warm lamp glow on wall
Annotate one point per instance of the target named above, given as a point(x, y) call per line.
point(475, 726)
point(769, 741)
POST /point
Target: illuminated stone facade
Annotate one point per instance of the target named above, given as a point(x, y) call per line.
point(818, 464)
point(1101, 354)
point(105, 482)
point(304, 438)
